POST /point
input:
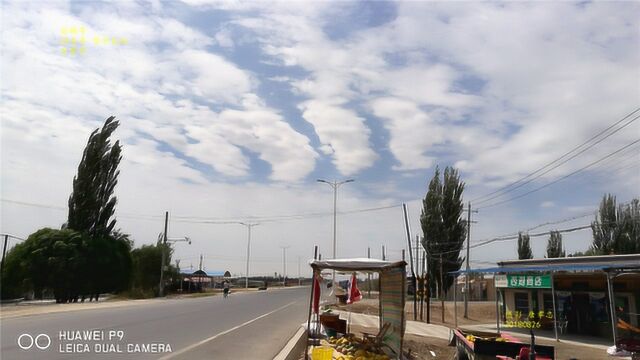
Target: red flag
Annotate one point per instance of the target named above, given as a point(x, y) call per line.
point(316, 294)
point(354, 293)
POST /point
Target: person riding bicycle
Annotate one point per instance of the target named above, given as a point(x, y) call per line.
point(225, 286)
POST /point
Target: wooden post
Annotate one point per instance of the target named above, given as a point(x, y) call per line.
point(441, 288)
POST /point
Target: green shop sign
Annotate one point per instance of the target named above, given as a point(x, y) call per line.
point(523, 281)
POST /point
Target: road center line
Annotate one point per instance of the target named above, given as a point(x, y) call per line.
point(193, 346)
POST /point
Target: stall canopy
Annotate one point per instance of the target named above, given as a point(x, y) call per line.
point(393, 279)
point(356, 264)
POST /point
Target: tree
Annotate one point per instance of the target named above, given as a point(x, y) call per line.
point(443, 226)
point(616, 229)
point(92, 203)
point(524, 247)
point(145, 274)
point(48, 259)
point(554, 246)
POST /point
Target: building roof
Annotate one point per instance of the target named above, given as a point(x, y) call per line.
point(212, 273)
point(579, 263)
point(614, 260)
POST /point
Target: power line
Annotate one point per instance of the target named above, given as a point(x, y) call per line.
point(515, 237)
point(220, 220)
point(561, 178)
point(523, 181)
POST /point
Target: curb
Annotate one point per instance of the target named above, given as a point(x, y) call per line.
point(294, 347)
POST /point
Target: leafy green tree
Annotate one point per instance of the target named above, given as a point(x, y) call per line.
point(554, 246)
point(443, 226)
point(616, 229)
point(48, 259)
point(92, 202)
point(524, 247)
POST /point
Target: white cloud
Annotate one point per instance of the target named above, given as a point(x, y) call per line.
point(412, 131)
point(343, 132)
point(547, 204)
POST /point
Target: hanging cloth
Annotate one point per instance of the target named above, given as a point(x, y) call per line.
point(354, 294)
point(316, 293)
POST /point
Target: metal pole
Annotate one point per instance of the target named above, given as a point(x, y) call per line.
point(335, 200)
point(466, 277)
point(612, 309)
point(455, 300)
point(164, 244)
point(284, 265)
point(299, 278)
point(497, 311)
point(246, 278)
point(313, 276)
point(413, 272)
point(553, 299)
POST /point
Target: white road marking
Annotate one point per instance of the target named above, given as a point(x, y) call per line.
point(193, 346)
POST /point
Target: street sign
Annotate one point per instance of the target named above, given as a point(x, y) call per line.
point(523, 281)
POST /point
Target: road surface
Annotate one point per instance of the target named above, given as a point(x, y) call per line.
point(253, 325)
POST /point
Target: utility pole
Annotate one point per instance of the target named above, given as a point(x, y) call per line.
point(249, 226)
point(383, 254)
point(162, 249)
point(466, 278)
point(284, 265)
point(413, 272)
point(335, 185)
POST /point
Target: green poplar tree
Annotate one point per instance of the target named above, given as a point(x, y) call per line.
point(524, 247)
point(554, 246)
point(443, 226)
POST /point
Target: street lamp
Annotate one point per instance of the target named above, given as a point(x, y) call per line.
point(335, 185)
point(284, 264)
point(249, 226)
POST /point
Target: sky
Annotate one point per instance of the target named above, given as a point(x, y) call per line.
point(230, 111)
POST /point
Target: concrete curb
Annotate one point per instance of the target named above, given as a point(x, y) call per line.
point(294, 347)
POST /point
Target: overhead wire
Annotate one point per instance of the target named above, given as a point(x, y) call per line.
point(561, 178)
point(520, 181)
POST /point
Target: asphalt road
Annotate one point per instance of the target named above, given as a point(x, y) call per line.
point(253, 325)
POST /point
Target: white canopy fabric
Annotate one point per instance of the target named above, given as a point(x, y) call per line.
point(355, 264)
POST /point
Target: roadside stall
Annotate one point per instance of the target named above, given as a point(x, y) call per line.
point(328, 337)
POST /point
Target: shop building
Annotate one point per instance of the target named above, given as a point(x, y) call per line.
point(582, 287)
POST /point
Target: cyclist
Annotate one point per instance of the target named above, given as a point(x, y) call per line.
point(225, 286)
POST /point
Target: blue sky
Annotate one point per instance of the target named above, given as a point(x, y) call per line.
point(231, 110)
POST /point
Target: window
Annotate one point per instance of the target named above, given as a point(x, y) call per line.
point(522, 303)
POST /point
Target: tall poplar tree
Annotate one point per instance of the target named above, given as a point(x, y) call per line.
point(554, 246)
point(92, 202)
point(524, 247)
point(443, 226)
point(616, 229)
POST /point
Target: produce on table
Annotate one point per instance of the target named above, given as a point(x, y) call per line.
point(351, 348)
